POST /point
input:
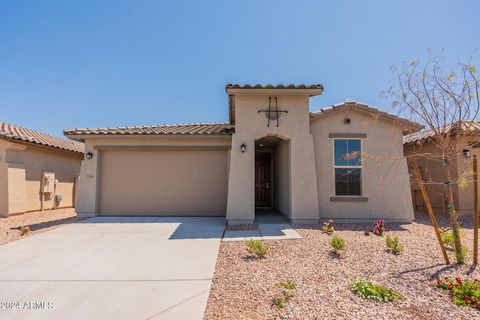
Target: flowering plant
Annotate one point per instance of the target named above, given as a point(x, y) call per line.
point(379, 228)
point(462, 292)
point(328, 227)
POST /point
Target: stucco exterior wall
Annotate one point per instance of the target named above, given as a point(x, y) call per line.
point(385, 180)
point(3, 180)
point(250, 125)
point(434, 174)
point(465, 166)
point(21, 169)
point(87, 200)
point(281, 165)
point(34, 160)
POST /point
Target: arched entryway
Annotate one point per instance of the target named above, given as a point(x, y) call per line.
point(272, 180)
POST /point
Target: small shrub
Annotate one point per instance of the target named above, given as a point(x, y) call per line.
point(447, 237)
point(328, 227)
point(256, 247)
point(337, 243)
point(279, 302)
point(394, 245)
point(25, 230)
point(369, 290)
point(462, 292)
point(289, 284)
point(379, 228)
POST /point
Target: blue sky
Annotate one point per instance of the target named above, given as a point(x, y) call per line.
point(66, 64)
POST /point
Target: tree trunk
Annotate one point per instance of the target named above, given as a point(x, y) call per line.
point(452, 212)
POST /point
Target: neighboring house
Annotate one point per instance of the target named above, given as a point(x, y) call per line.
point(343, 162)
point(37, 171)
point(420, 147)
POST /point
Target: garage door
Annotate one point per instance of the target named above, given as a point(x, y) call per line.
point(163, 183)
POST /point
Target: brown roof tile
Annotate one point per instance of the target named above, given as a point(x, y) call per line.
point(273, 86)
point(364, 107)
point(16, 133)
point(214, 128)
point(467, 127)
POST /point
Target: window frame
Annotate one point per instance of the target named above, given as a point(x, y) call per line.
point(361, 195)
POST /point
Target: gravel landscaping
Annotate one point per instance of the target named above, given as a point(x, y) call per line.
point(38, 221)
point(244, 287)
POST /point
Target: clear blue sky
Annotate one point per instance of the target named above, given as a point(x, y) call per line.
point(66, 64)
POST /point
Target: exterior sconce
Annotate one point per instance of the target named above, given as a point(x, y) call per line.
point(243, 147)
point(89, 155)
point(466, 153)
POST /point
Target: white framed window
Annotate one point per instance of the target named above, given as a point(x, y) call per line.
point(347, 163)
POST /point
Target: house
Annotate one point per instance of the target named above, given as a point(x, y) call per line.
point(421, 148)
point(37, 171)
point(343, 162)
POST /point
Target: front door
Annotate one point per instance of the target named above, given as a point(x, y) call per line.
point(263, 179)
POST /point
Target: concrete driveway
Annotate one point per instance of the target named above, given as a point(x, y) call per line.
point(112, 268)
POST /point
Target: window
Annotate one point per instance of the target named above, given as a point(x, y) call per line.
point(348, 167)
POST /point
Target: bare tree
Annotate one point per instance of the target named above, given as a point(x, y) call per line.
point(445, 99)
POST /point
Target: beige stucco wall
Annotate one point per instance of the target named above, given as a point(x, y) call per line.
point(385, 180)
point(433, 173)
point(21, 168)
point(3, 180)
point(294, 127)
point(87, 199)
point(465, 167)
point(281, 177)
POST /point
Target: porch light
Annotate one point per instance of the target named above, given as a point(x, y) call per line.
point(89, 155)
point(466, 153)
point(243, 147)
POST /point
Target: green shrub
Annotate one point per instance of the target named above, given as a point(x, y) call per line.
point(447, 237)
point(463, 292)
point(25, 230)
point(256, 247)
point(337, 243)
point(289, 284)
point(369, 290)
point(394, 245)
point(328, 227)
point(279, 302)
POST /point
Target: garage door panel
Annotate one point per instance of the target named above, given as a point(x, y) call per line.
point(163, 183)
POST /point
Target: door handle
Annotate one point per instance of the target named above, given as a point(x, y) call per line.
point(268, 186)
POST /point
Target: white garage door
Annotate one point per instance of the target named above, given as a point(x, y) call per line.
point(163, 183)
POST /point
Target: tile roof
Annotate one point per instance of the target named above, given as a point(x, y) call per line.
point(468, 128)
point(364, 107)
point(213, 128)
point(273, 86)
point(16, 133)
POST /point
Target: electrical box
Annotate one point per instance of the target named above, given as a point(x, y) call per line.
point(48, 182)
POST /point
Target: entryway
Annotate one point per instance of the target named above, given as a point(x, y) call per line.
point(272, 180)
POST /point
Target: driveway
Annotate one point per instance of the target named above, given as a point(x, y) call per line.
point(112, 268)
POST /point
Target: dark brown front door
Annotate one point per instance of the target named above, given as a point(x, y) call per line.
point(263, 179)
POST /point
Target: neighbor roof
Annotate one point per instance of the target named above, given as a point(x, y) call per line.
point(212, 128)
point(352, 104)
point(467, 127)
point(15, 133)
point(273, 86)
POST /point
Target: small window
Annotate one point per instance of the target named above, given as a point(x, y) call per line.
point(348, 167)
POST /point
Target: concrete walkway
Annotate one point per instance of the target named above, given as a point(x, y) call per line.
point(112, 268)
point(273, 231)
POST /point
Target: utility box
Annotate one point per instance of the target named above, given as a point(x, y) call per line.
point(48, 182)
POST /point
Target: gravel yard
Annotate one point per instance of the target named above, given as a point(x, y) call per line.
point(244, 287)
point(38, 221)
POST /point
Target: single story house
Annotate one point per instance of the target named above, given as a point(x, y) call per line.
point(343, 162)
point(421, 148)
point(37, 171)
